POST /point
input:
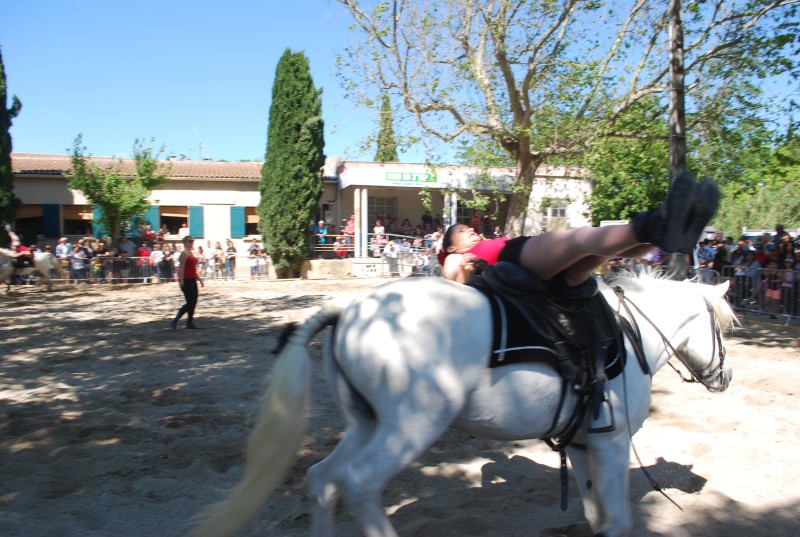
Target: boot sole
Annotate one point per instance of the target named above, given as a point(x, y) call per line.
point(706, 202)
point(680, 201)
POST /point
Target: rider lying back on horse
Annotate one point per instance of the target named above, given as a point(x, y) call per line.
point(568, 258)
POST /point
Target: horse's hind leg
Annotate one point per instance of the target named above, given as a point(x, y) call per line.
point(397, 442)
point(323, 489)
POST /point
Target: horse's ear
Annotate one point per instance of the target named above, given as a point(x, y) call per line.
point(722, 288)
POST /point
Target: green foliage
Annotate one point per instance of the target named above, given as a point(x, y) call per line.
point(387, 146)
point(629, 174)
point(546, 80)
point(291, 182)
point(9, 203)
point(118, 189)
point(770, 193)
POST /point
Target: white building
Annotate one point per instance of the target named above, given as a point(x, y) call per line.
point(218, 200)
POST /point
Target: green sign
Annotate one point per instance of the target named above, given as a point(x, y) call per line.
point(404, 177)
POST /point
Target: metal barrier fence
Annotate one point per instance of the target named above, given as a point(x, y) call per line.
point(415, 255)
point(145, 270)
point(772, 292)
point(114, 270)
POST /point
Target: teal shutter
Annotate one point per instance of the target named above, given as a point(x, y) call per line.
point(153, 217)
point(237, 222)
point(196, 221)
point(97, 228)
point(52, 220)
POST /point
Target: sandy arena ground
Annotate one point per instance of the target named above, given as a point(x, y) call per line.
point(112, 425)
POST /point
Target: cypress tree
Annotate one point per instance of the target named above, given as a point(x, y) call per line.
point(9, 203)
point(387, 146)
point(291, 182)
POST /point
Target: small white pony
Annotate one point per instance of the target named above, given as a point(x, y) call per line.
point(409, 359)
point(43, 262)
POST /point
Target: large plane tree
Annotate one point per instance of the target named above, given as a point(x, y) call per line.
point(546, 79)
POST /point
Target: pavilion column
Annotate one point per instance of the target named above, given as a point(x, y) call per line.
point(357, 222)
point(364, 214)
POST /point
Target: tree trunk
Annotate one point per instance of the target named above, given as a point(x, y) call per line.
point(518, 220)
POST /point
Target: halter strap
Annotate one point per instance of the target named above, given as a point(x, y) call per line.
point(697, 375)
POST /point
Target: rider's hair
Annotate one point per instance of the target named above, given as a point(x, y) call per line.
point(447, 239)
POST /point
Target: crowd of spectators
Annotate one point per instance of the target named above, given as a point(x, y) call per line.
point(150, 257)
point(763, 271)
point(403, 246)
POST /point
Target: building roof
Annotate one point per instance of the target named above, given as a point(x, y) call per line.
point(45, 164)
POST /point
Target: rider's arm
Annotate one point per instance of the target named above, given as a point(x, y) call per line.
point(458, 267)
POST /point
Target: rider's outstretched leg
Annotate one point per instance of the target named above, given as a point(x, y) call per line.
point(675, 226)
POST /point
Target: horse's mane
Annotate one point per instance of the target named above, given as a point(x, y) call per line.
point(657, 283)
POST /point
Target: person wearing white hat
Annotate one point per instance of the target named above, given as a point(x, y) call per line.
point(63, 250)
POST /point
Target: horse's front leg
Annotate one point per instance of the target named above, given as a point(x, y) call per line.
point(608, 487)
point(582, 470)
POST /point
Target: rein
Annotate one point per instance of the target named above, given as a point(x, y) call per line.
point(697, 375)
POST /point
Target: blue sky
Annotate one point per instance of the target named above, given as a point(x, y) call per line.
point(186, 72)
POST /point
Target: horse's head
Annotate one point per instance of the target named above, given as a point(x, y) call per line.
point(698, 343)
point(681, 319)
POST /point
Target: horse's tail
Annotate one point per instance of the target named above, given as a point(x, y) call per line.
point(276, 435)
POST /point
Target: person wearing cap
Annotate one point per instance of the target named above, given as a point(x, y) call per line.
point(320, 231)
point(64, 250)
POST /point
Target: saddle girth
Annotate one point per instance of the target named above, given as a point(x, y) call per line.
point(570, 328)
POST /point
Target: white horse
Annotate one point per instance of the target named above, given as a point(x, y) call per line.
point(409, 359)
point(43, 262)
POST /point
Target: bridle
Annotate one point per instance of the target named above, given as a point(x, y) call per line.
point(705, 375)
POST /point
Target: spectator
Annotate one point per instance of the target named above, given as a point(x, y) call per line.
point(422, 262)
point(720, 260)
point(350, 227)
point(321, 232)
point(183, 232)
point(161, 234)
point(252, 254)
point(146, 234)
point(262, 263)
point(738, 254)
point(124, 267)
point(785, 246)
point(202, 260)
point(771, 285)
point(230, 260)
point(64, 251)
point(143, 265)
point(79, 262)
point(157, 262)
point(788, 281)
point(219, 259)
point(390, 253)
point(426, 218)
point(475, 222)
point(754, 277)
point(126, 246)
point(779, 231)
point(378, 229)
point(168, 263)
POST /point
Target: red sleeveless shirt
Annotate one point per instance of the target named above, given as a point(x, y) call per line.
point(488, 250)
point(190, 268)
